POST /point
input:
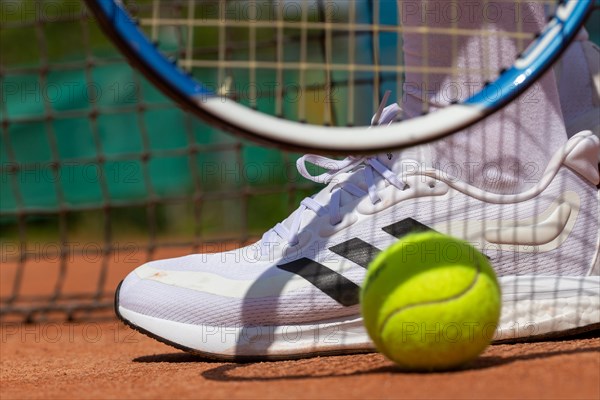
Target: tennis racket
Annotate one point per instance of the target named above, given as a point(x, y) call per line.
point(308, 75)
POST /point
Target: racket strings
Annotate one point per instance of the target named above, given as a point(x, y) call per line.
point(314, 61)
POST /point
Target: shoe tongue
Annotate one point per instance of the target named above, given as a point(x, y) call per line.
point(412, 159)
point(405, 160)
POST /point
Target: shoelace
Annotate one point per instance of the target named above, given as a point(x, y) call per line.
point(371, 165)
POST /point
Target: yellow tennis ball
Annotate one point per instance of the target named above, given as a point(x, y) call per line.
point(430, 302)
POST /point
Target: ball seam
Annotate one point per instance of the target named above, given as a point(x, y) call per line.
point(409, 306)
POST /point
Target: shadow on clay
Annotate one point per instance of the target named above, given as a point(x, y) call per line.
point(225, 372)
point(284, 370)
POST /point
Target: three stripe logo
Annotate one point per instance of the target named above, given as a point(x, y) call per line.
point(335, 285)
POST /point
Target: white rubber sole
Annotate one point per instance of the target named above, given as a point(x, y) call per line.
point(544, 305)
point(532, 306)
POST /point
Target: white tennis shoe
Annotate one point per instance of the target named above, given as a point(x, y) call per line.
point(295, 293)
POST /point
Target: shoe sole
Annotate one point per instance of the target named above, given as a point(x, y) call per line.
point(175, 333)
point(534, 308)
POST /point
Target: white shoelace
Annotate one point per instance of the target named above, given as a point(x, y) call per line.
point(370, 165)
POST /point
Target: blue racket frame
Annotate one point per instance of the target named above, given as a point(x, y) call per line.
point(230, 116)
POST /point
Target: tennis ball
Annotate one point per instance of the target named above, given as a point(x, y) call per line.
point(430, 302)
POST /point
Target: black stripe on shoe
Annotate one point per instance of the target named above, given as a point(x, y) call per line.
point(336, 286)
point(357, 251)
point(404, 227)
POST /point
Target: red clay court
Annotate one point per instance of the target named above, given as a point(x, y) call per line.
point(107, 360)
